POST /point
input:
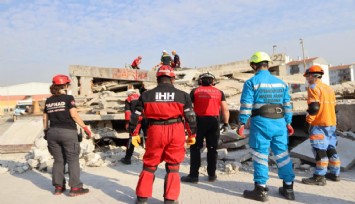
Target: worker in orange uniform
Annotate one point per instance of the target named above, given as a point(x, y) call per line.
point(208, 103)
point(60, 120)
point(136, 62)
point(130, 104)
point(166, 109)
point(321, 126)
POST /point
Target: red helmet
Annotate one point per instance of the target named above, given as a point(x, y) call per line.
point(166, 70)
point(315, 69)
point(61, 79)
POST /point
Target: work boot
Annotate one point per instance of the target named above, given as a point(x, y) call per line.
point(78, 191)
point(141, 200)
point(332, 177)
point(59, 190)
point(315, 180)
point(189, 179)
point(124, 160)
point(259, 193)
point(167, 201)
point(212, 178)
point(287, 191)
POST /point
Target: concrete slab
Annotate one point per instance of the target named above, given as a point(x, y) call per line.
point(345, 150)
point(236, 144)
point(20, 136)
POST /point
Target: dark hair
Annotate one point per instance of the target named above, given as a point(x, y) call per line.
point(55, 89)
point(207, 81)
point(164, 79)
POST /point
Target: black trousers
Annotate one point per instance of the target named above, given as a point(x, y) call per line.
point(64, 146)
point(130, 147)
point(207, 128)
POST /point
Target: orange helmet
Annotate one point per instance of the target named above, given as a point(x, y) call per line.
point(166, 70)
point(315, 69)
point(61, 79)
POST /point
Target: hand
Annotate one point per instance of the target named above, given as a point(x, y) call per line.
point(87, 132)
point(290, 130)
point(307, 128)
point(191, 140)
point(45, 133)
point(225, 127)
point(126, 125)
point(240, 131)
point(136, 140)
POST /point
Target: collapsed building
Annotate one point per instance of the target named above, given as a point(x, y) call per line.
point(100, 93)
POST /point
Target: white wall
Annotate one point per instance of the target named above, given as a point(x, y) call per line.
point(32, 88)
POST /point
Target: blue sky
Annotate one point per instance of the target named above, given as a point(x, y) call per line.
point(41, 38)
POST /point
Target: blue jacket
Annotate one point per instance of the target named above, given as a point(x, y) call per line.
point(262, 89)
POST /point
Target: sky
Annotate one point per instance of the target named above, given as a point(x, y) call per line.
point(42, 38)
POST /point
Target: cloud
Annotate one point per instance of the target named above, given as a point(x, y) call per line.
point(42, 36)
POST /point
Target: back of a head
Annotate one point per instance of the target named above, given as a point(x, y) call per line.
point(259, 59)
point(165, 73)
point(59, 84)
point(206, 79)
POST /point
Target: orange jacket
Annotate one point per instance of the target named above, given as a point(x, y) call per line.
point(324, 95)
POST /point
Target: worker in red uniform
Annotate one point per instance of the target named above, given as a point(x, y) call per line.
point(208, 103)
point(168, 111)
point(130, 104)
point(321, 126)
point(136, 62)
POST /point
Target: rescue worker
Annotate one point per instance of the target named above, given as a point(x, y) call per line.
point(165, 108)
point(130, 104)
point(165, 58)
point(176, 63)
point(321, 125)
point(265, 108)
point(208, 102)
point(136, 62)
point(59, 121)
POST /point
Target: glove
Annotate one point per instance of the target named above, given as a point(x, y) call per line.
point(290, 130)
point(136, 140)
point(240, 131)
point(225, 127)
point(87, 132)
point(45, 133)
point(191, 140)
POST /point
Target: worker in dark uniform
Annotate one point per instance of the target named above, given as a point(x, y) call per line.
point(208, 103)
point(165, 58)
point(130, 104)
point(59, 121)
point(166, 109)
point(176, 63)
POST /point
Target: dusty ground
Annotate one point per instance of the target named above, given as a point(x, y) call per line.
point(116, 184)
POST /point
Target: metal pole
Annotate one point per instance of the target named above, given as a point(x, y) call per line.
point(304, 62)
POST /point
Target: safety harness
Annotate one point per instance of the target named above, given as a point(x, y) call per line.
point(273, 111)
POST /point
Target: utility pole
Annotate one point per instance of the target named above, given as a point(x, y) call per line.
point(304, 62)
point(273, 49)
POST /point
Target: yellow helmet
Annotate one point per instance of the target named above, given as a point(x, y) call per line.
point(260, 57)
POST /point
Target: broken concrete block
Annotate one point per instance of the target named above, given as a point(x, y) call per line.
point(239, 155)
point(33, 163)
point(237, 166)
point(345, 150)
point(3, 170)
point(222, 153)
point(236, 144)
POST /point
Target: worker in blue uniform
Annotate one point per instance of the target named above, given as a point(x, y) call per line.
point(267, 111)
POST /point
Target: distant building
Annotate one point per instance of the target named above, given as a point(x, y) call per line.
point(297, 67)
point(342, 73)
point(9, 95)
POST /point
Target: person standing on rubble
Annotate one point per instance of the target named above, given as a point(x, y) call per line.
point(136, 62)
point(59, 121)
point(208, 103)
point(130, 104)
point(176, 63)
point(165, 59)
point(321, 126)
point(266, 109)
point(166, 108)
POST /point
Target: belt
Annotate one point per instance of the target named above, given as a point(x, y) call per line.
point(164, 122)
point(273, 111)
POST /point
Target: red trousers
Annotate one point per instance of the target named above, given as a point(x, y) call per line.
point(164, 143)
